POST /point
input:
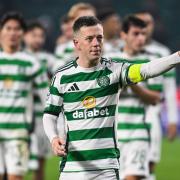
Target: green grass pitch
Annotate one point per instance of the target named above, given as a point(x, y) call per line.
point(167, 169)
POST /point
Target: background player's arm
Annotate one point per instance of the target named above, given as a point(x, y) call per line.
point(146, 95)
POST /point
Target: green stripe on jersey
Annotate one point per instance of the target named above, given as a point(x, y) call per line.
point(97, 92)
point(15, 139)
point(133, 139)
point(97, 133)
point(69, 50)
point(53, 90)
point(170, 74)
point(134, 61)
point(34, 157)
point(38, 114)
point(155, 87)
point(14, 125)
point(12, 109)
point(82, 76)
point(18, 77)
point(92, 154)
point(133, 126)
point(98, 112)
point(15, 62)
point(52, 109)
point(131, 110)
point(41, 85)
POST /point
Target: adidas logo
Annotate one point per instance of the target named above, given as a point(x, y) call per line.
point(74, 87)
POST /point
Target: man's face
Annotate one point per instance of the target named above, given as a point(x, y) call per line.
point(88, 42)
point(11, 34)
point(35, 39)
point(148, 19)
point(66, 29)
point(135, 38)
point(112, 26)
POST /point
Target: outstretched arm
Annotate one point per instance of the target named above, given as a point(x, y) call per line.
point(140, 72)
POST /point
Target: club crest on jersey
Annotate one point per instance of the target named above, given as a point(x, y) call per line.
point(8, 83)
point(89, 102)
point(103, 81)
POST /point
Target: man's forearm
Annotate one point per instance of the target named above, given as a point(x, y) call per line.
point(159, 66)
point(146, 95)
point(140, 72)
point(50, 126)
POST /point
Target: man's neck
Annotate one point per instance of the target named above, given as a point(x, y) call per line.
point(10, 50)
point(32, 50)
point(85, 63)
point(129, 51)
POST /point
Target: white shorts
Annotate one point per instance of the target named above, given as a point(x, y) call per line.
point(134, 159)
point(14, 157)
point(109, 174)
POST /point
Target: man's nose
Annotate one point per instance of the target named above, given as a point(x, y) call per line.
point(142, 37)
point(95, 42)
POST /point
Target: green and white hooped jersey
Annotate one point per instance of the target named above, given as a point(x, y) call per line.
point(19, 72)
point(47, 61)
point(88, 98)
point(131, 110)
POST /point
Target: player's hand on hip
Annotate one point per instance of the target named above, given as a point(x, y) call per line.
point(58, 146)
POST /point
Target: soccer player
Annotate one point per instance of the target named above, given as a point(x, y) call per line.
point(66, 29)
point(133, 130)
point(65, 52)
point(168, 87)
point(34, 39)
point(19, 72)
point(112, 26)
point(86, 92)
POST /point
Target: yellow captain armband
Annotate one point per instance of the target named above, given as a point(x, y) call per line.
point(134, 74)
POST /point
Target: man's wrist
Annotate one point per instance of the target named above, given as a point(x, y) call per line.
point(53, 137)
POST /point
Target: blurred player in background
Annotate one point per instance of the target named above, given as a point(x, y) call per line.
point(112, 26)
point(66, 30)
point(65, 51)
point(133, 130)
point(168, 87)
point(34, 40)
point(20, 73)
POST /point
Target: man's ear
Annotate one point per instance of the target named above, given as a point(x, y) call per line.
point(76, 44)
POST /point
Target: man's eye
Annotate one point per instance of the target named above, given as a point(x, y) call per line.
point(99, 39)
point(89, 39)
